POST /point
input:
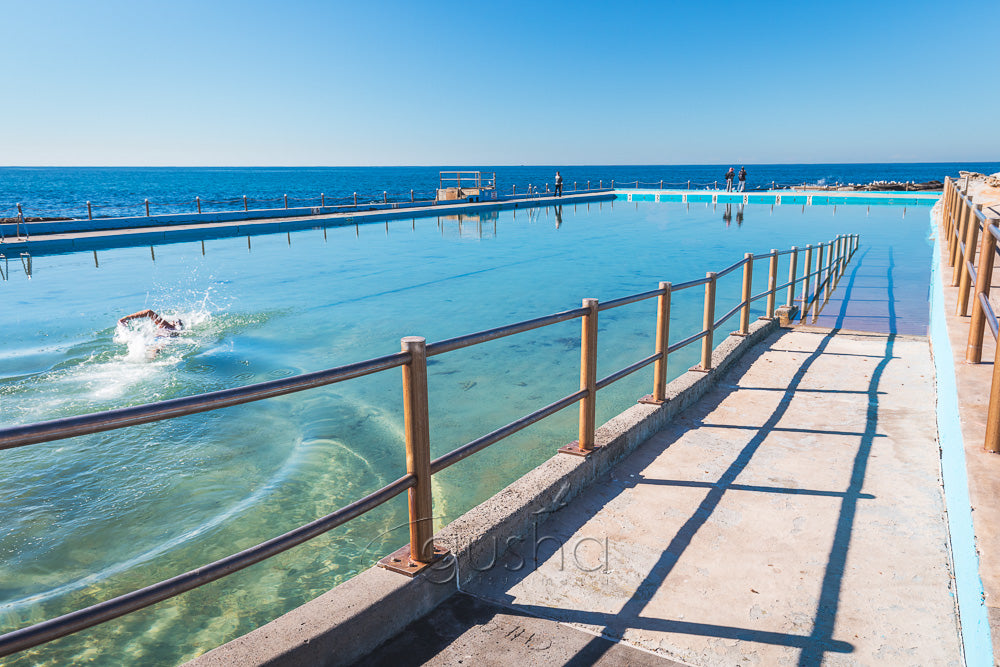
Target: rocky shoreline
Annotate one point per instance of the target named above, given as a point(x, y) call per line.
point(876, 186)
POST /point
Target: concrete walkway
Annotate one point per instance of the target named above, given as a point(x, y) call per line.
point(793, 516)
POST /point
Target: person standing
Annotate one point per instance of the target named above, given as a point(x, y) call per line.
point(729, 179)
point(558, 184)
point(743, 178)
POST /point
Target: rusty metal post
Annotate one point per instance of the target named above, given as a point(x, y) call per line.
point(952, 219)
point(829, 265)
point(197, 200)
point(245, 203)
point(772, 283)
point(662, 347)
point(355, 198)
point(746, 294)
point(806, 280)
point(147, 208)
point(792, 270)
point(90, 215)
point(946, 204)
point(708, 323)
point(418, 448)
point(969, 257)
point(964, 211)
point(838, 261)
point(322, 199)
point(819, 278)
point(984, 275)
point(992, 443)
point(588, 375)
point(584, 444)
point(954, 215)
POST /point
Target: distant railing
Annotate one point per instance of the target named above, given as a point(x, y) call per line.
point(472, 179)
point(412, 358)
point(151, 207)
point(966, 224)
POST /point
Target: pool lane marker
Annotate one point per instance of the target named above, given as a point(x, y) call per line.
point(972, 614)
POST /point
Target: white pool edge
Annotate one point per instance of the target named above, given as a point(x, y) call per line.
point(971, 604)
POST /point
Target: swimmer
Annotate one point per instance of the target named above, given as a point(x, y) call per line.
point(165, 325)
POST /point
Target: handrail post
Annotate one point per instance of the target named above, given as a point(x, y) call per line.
point(946, 205)
point(829, 267)
point(90, 216)
point(964, 279)
point(584, 444)
point(806, 279)
point(820, 248)
point(198, 201)
point(965, 212)
point(747, 293)
point(418, 448)
point(953, 210)
point(662, 347)
point(838, 262)
point(984, 274)
point(992, 442)
point(708, 323)
point(792, 269)
point(772, 283)
point(245, 203)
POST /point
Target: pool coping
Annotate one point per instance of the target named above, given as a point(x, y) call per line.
point(194, 227)
point(155, 230)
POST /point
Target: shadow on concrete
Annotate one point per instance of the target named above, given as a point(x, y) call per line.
point(820, 641)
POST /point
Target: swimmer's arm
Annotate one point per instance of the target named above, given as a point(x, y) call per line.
point(157, 320)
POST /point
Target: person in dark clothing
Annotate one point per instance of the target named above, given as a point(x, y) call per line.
point(743, 178)
point(558, 184)
point(729, 179)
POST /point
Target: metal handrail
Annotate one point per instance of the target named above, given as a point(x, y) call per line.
point(81, 619)
point(96, 422)
point(114, 419)
point(468, 340)
point(470, 448)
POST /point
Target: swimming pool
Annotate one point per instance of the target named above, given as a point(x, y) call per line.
point(97, 516)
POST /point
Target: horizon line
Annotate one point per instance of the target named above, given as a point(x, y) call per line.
point(405, 166)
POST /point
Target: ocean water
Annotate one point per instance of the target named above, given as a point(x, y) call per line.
point(65, 191)
point(96, 516)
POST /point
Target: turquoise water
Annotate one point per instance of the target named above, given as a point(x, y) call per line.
point(92, 517)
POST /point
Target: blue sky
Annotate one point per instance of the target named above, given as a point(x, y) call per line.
point(412, 83)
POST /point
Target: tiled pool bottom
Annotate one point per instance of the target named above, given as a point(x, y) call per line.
point(101, 515)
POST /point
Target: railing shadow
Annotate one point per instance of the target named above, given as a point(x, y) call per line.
point(814, 646)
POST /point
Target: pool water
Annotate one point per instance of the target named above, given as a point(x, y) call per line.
point(92, 517)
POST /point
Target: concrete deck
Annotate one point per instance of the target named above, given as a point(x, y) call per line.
point(793, 515)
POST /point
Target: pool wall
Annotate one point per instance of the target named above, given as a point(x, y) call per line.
point(798, 197)
point(70, 236)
